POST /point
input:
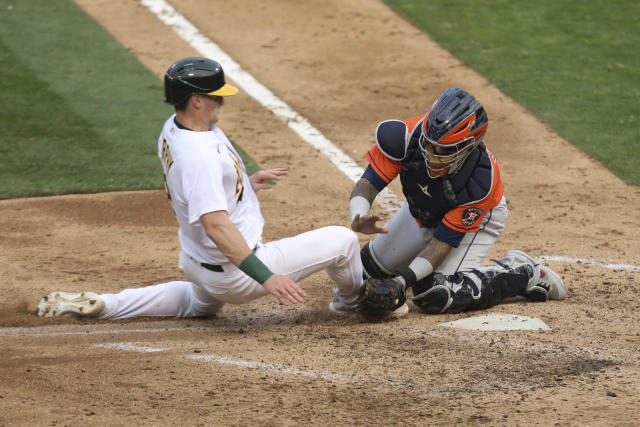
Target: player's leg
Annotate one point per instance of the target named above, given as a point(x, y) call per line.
point(472, 250)
point(333, 249)
point(515, 274)
point(474, 247)
point(489, 285)
point(399, 246)
point(461, 283)
point(171, 299)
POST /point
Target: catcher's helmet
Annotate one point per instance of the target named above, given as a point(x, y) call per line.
point(190, 76)
point(452, 128)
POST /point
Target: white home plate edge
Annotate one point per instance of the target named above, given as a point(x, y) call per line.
point(499, 322)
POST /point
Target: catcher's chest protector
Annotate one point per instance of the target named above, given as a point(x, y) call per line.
point(431, 198)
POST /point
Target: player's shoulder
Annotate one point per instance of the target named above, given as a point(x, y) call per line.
point(479, 177)
point(393, 136)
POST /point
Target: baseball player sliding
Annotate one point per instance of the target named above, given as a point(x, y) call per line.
point(220, 223)
point(454, 212)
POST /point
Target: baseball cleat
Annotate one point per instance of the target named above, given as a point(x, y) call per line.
point(545, 283)
point(340, 308)
point(85, 304)
point(552, 282)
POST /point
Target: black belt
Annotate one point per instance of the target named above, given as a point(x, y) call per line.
point(212, 267)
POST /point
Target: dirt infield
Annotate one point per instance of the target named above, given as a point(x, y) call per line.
point(344, 66)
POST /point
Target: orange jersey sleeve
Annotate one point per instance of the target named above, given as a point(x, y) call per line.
point(386, 168)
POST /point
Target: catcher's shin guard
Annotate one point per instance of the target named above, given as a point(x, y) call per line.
point(500, 283)
point(478, 289)
point(371, 265)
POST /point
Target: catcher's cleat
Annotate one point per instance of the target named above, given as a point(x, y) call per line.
point(545, 283)
point(549, 283)
point(338, 307)
point(85, 304)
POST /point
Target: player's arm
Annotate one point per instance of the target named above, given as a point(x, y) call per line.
point(231, 243)
point(362, 197)
point(382, 169)
point(425, 263)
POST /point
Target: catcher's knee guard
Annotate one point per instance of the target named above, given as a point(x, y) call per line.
point(450, 294)
point(372, 267)
point(425, 284)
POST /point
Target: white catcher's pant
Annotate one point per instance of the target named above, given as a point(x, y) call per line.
point(406, 240)
point(333, 249)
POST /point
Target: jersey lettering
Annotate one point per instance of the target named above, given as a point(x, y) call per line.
point(167, 159)
point(239, 182)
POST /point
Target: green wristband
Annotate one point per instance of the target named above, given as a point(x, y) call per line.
point(255, 269)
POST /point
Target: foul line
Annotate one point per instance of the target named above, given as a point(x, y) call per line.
point(301, 126)
point(589, 262)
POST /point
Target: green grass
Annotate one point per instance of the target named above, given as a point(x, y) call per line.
point(572, 63)
point(79, 113)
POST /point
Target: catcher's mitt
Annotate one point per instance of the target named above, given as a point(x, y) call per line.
point(381, 295)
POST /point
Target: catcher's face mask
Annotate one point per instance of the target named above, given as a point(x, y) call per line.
point(447, 155)
point(450, 131)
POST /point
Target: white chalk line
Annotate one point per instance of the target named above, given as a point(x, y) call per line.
point(277, 369)
point(589, 262)
point(131, 346)
point(49, 332)
point(300, 125)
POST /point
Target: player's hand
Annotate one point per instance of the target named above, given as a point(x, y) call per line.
point(285, 289)
point(258, 179)
point(367, 225)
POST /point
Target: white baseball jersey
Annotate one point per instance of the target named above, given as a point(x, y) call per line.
point(204, 173)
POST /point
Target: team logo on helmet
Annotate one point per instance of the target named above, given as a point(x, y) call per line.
point(471, 215)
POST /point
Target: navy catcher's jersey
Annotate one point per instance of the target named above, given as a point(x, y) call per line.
point(454, 204)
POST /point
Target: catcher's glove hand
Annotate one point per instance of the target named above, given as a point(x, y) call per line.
point(381, 295)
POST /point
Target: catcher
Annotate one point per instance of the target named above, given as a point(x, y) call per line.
point(454, 212)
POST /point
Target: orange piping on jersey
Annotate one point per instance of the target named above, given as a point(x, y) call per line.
point(454, 218)
point(412, 122)
point(386, 168)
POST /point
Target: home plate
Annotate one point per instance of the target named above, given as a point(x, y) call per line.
point(498, 322)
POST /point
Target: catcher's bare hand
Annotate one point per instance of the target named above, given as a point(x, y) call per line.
point(367, 224)
point(285, 289)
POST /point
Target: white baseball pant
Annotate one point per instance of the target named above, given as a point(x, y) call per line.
point(333, 249)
